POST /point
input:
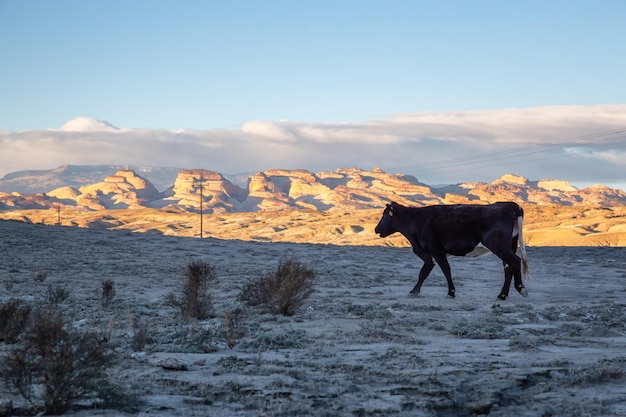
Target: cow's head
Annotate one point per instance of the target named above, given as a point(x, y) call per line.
point(387, 224)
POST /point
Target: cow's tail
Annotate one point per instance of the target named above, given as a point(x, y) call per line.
point(522, 246)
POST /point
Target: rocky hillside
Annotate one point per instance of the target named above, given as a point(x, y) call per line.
point(344, 189)
point(45, 180)
point(543, 192)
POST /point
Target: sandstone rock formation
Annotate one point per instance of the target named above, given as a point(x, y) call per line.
point(123, 190)
point(543, 192)
point(278, 189)
point(191, 187)
point(17, 201)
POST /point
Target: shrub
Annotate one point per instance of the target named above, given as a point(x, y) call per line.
point(197, 337)
point(284, 339)
point(232, 329)
point(40, 275)
point(14, 315)
point(108, 292)
point(57, 294)
point(141, 335)
point(118, 397)
point(195, 301)
point(283, 291)
point(54, 366)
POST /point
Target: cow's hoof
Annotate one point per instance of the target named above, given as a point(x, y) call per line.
point(524, 292)
point(502, 297)
point(451, 295)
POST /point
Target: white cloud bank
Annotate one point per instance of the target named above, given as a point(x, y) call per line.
point(582, 144)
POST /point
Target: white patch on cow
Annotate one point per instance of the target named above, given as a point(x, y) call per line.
point(479, 250)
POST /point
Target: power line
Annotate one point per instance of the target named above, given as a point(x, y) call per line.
point(482, 160)
point(544, 147)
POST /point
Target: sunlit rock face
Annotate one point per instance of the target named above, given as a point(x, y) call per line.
point(64, 193)
point(348, 189)
point(523, 191)
point(555, 185)
point(125, 189)
point(199, 189)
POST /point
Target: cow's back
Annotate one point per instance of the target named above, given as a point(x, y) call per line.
point(458, 228)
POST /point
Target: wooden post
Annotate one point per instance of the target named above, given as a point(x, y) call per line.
point(201, 201)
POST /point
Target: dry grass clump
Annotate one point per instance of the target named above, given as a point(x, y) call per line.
point(40, 275)
point(369, 311)
point(283, 291)
point(467, 329)
point(14, 316)
point(141, 335)
point(603, 371)
point(57, 294)
point(195, 300)
point(232, 329)
point(53, 366)
point(108, 292)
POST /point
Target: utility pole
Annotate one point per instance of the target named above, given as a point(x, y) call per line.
point(201, 201)
point(58, 215)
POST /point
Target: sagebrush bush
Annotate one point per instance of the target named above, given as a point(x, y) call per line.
point(141, 335)
point(232, 328)
point(40, 275)
point(108, 292)
point(195, 300)
point(53, 367)
point(57, 294)
point(14, 316)
point(283, 290)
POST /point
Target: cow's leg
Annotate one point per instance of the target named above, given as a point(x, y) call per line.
point(512, 263)
point(428, 266)
point(508, 273)
point(508, 276)
point(517, 271)
point(517, 277)
point(442, 261)
point(512, 270)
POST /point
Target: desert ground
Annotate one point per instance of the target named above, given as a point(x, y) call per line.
point(359, 346)
point(544, 225)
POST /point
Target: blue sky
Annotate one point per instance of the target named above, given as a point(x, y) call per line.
point(215, 65)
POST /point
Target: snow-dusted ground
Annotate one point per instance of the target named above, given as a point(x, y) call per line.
point(360, 346)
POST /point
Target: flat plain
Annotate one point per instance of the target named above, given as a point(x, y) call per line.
point(359, 346)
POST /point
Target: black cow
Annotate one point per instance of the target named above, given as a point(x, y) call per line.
point(461, 230)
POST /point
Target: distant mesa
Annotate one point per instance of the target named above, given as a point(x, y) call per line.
point(88, 124)
point(345, 189)
point(43, 181)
